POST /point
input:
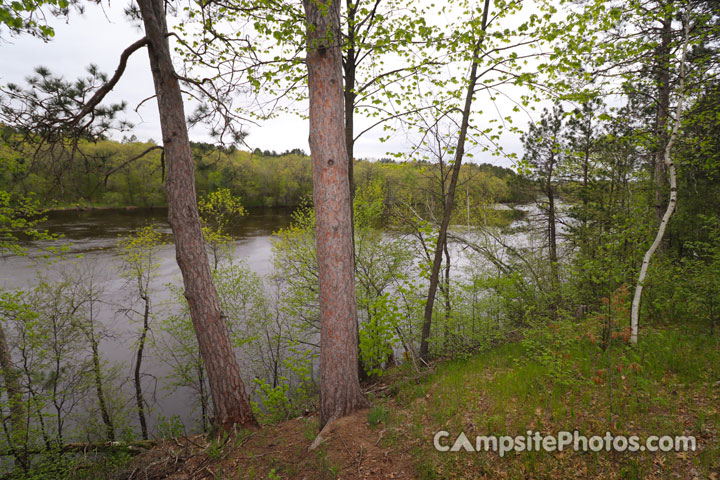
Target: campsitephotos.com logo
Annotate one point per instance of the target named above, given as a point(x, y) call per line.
point(536, 441)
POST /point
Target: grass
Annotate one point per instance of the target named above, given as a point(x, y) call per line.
point(559, 379)
point(377, 415)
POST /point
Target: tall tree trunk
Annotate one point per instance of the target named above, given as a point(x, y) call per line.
point(446, 295)
point(349, 94)
point(230, 400)
point(672, 203)
point(552, 241)
point(552, 232)
point(586, 168)
point(450, 196)
point(340, 392)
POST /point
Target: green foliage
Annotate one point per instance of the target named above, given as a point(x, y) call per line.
point(220, 211)
point(176, 346)
point(138, 253)
point(522, 385)
point(117, 174)
point(377, 334)
point(295, 268)
point(20, 217)
point(216, 448)
point(85, 466)
point(172, 427)
point(288, 398)
point(27, 16)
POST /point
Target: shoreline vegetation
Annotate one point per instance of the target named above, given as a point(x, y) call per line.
point(109, 179)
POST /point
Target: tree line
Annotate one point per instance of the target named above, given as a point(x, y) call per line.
point(115, 174)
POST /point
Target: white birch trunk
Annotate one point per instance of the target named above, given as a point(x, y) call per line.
point(635, 312)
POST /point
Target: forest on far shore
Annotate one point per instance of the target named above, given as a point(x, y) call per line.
point(119, 174)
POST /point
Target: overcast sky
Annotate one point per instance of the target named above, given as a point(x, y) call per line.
point(101, 34)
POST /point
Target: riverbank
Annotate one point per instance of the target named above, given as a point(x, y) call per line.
point(667, 385)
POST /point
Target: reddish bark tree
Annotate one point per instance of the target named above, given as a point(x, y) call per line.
point(340, 392)
point(230, 400)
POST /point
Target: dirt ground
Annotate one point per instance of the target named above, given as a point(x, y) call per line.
point(352, 449)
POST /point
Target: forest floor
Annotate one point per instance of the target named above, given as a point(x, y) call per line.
point(352, 449)
point(557, 378)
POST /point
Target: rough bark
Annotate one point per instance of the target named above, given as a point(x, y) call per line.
point(450, 196)
point(340, 392)
point(672, 203)
point(230, 400)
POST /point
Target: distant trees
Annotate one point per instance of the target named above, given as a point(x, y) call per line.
point(259, 181)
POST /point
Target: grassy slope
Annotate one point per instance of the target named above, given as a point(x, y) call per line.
point(558, 378)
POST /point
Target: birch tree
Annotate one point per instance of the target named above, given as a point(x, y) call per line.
point(672, 202)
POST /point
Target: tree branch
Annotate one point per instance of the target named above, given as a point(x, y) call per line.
point(105, 89)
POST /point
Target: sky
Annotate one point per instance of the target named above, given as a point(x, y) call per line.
point(100, 35)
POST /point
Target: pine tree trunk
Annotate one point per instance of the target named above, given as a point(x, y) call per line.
point(230, 400)
point(340, 392)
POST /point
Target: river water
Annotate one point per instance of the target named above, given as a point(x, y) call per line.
point(91, 238)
